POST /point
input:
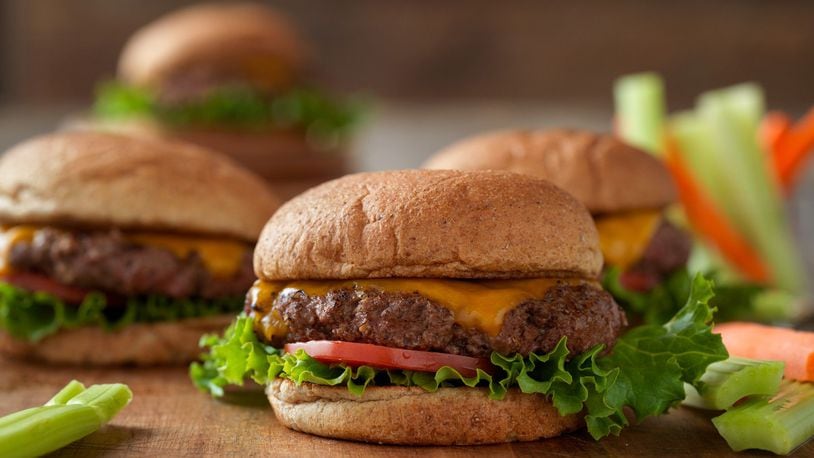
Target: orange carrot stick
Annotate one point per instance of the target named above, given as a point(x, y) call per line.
point(706, 219)
point(774, 126)
point(757, 341)
point(794, 148)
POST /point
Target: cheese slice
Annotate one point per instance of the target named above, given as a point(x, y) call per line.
point(474, 304)
point(623, 238)
point(222, 258)
point(10, 236)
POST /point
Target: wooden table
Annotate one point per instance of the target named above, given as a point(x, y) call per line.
point(168, 417)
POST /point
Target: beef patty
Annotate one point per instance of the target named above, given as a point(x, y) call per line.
point(586, 314)
point(106, 261)
point(668, 250)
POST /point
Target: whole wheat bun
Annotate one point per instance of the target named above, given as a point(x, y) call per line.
point(412, 416)
point(241, 39)
point(429, 223)
point(604, 173)
point(107, 180)
point(140, 344)
point(285, 159)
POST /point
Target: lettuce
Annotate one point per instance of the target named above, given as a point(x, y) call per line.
point(734, 301)
point(32, 316)
point(304, 108)
point(645, 371)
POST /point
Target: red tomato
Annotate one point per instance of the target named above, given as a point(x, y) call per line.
point(359, 354)
point(37, 282)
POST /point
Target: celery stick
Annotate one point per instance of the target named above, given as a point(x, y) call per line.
point(640, 111)
point(72, 414)
point(726, 382)
point(778, 424)
point(733, 116)
point(71, 390)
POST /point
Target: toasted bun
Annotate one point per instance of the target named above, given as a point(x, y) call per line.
point(429, 223)
point(244, 39)
point(412, 416)
point(100, 179)
point(141, 344)
point(604, 173)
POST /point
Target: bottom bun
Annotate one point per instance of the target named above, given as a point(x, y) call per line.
point(412, 416)
point(140, 344)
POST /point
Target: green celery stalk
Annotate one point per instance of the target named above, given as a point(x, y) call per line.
point(733, 117)
point(778, 424)
point(719, 141)
point(641, 111)
point(70, 415)
point(726, 382)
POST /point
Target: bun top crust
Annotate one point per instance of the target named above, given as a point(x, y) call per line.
point(429, 223)
point(100, 179)
point(604, 173)
point(244, 39)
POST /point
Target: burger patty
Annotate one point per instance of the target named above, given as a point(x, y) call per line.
point(585, 314)
point(108, 262)
point(668, 250)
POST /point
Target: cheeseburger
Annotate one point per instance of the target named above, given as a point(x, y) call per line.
point(233, 77)
point(625, 189)
point(372, 285)
point(122, 251)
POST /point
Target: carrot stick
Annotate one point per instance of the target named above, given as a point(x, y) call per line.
point(794, 148)
point(757, 341)
point(774, 127)
point(709, 222)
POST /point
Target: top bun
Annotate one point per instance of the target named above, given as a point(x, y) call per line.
point(429, 223)
point(606, 174)
point(245, 40)
point(99, 179)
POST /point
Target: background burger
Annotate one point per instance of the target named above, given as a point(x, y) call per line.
point(117, 250)
point(446, 307)
point(625, 189)
point(233, 78)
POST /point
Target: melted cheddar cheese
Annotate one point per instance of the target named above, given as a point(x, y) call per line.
point(8, 238)
point(474, 304)
point(222, 258)
point(623, 238)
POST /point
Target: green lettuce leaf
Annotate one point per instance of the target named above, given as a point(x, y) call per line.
point(303, 108)
point(32, 316)
point(645, 372)
point(734, 301)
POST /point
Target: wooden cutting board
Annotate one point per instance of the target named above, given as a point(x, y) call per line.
point(168, 417)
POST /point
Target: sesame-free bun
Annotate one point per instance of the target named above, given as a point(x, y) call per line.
point(429, 223)
point(107, 180)
point(606, 174)
point(140, 344)
point(245, 40)
point(412, 416)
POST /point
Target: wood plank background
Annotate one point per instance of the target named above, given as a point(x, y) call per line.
point(168, 417)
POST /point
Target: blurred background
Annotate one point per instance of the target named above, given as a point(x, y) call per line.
point(440, 70)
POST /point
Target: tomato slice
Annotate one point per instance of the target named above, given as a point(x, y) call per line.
point(362, 354)
point(36, 282)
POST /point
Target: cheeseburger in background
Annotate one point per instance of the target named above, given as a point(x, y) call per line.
point(117, 250)
point(625, 189)
point(232, 77)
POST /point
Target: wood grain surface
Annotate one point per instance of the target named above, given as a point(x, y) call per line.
point(168, 417)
